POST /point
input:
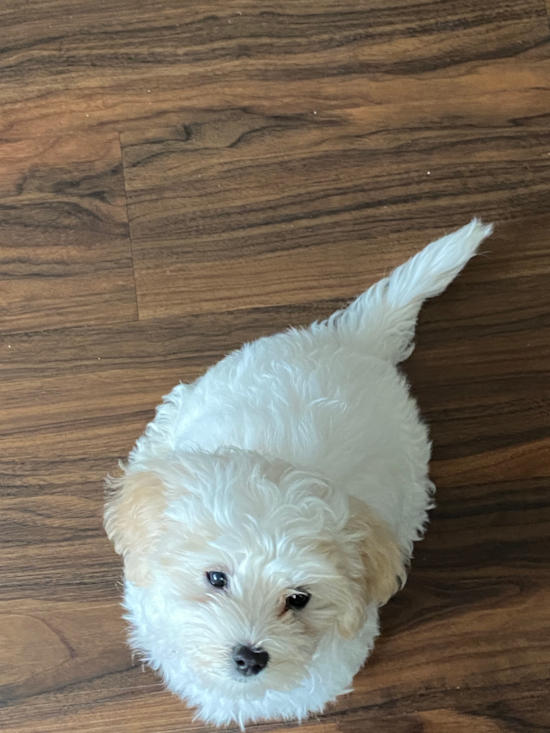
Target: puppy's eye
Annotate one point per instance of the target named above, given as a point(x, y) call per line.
point(217, 579)
point(297, 601)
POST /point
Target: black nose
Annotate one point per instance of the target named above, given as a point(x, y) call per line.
point(249, 661)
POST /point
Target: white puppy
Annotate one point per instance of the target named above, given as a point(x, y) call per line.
point(271, 507)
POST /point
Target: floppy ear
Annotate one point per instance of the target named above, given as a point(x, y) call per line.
point(134, 519)
point(378, 568)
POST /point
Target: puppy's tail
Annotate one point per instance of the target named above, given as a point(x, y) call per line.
point(384, 317)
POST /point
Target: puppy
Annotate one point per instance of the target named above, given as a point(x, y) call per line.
point(271, 506)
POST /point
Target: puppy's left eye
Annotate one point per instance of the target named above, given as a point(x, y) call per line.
point(217, 579)
point(297, 601)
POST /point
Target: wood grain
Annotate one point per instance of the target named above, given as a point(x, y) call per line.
point(66, 256)
point(179, 178)
point(226, 206)
point(91, 65)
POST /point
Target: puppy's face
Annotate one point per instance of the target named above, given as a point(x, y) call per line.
point(252, 563)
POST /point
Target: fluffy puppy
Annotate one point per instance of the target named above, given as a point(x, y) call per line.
point(271, 506)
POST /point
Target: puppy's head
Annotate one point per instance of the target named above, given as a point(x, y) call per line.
point(249, 564)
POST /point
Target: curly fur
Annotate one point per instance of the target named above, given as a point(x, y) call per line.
point(298, 462)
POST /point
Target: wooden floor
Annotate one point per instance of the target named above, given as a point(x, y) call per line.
point(178, 177)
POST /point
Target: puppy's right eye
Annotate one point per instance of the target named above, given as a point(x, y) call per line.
point(217, 579)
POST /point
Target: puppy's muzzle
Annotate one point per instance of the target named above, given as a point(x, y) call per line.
point(249, 661)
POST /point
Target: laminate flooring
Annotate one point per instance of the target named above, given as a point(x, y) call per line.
point(177, 178)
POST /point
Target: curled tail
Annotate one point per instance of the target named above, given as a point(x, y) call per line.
point(384, 317)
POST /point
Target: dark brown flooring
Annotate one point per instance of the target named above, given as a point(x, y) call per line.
point(176, 178)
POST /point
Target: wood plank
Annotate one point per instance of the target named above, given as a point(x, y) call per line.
point(68, 67)
point(65, 257)
point(55, 643)
point(237, 210)
point(498, 718)
point(523, 461)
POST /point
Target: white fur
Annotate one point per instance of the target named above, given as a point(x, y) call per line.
point(256, 462)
